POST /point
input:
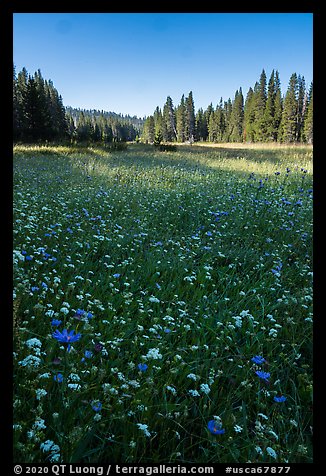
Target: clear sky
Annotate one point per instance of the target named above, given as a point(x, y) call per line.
point(130, 62)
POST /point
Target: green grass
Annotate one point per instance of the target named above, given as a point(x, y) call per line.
point(192, 262)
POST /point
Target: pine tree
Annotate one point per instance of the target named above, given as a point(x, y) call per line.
point(190, 129)
point(220, 120)
point(149, 130)
point(181, 120)
point(227, 115)
point(260, 98)
point(270, 108)
point(278, 108)
point(301, 110)
point(290, 111)
point(169, 127)
point(308, 124)
point(236, 118)
point(201, 126)
point(249, 117)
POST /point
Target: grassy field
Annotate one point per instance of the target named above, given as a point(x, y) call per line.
point(163, 304)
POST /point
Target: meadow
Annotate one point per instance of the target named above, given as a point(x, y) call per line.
point(162, 304)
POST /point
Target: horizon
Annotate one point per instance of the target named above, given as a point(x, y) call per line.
point(128, 63)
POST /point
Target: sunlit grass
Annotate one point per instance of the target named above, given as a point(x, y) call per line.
point(192, 262)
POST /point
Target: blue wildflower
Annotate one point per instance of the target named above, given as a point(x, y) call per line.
point(58, 378)
point(116, 275)
point(66, 337)
point(55, 322)
point(80, 312)
point(88, 354)
point(263, 375)
point(279, 399)
point(258, 359)
point(215, 428)
point(142, 367)
point(97, 406)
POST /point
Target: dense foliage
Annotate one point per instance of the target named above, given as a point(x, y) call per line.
point(39, 115)
point(264, 116)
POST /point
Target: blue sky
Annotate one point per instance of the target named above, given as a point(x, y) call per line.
point(130, 62)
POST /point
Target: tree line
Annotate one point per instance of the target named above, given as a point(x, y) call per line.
point(263, 116)
point(39, 115)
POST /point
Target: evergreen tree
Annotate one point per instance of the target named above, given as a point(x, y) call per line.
point(308, 124)
point(290, 111)
point(158, 120)
point(201, 126)
point(236, 118)
point(220, 120)
point(278, 108)
point(181, 120)
point(227, 115)
point(260, 98)
point(149, 130)
point(169, 127)
point(270, 108)
point(301, 109)
point(190, 131)
point(249, 117)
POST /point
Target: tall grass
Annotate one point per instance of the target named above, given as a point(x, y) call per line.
point(185, 273)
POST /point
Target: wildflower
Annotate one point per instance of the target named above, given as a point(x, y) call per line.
point(58, 378)
point(66, 337)
point(40, 392)
point(142, 367)
point(34, 344)
point(97, 406)
point(172, 389)
point(205, 388)
point(154, 299)
point(215, 428)
point(280, 398)
point(144, 429)
point(98, 347)
point(192, 376)
point(258, 359)
point(88, 354)
point(271, 452)
point(30, 361)
point(238, 428)
point(74, 386)
point(194, 393)
point(55, 322)
point(39, 424)
point(116, 275)
point(263, 375)
point(154, 354)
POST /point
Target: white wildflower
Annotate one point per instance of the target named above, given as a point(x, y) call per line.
point(194, 393)
point(205, 388)
point(192, 377)
point(171, 389)
point(40, 392)
point(144, 429)
point(154, 299)
point(271, 452)
point(30, 361)
point(238, 428)
point(153, 354)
